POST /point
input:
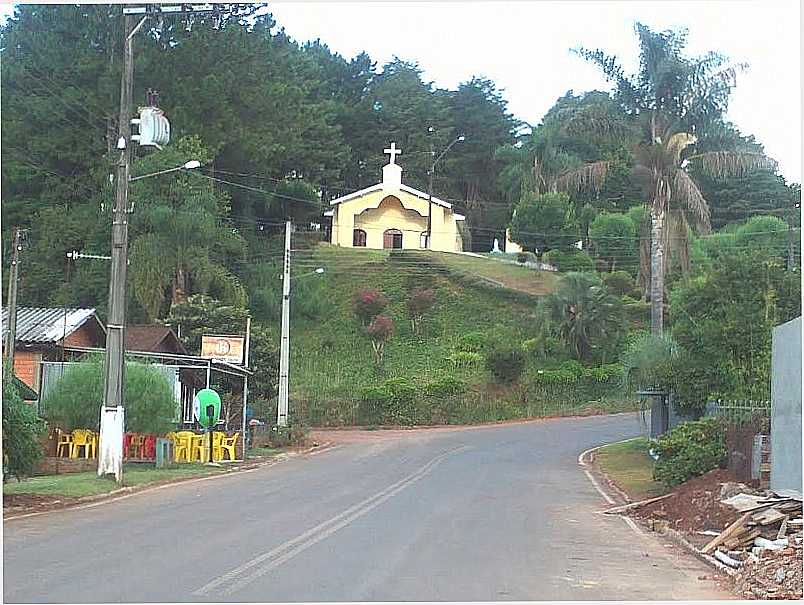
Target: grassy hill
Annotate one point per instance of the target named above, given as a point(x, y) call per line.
point(332, 362)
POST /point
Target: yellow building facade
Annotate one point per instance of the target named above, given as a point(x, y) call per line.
point(391, 215)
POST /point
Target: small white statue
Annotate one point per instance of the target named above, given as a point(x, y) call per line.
point(496, 249)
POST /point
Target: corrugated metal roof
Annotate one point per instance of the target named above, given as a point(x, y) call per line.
point(47, 324)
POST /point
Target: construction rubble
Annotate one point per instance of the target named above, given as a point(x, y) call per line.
point(755, 534)
point(764, 545)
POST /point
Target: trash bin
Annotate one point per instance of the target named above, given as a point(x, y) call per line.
point(164, 452)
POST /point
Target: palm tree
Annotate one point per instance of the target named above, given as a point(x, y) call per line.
point(669, 98)
point(180, 244)
point(584, 312)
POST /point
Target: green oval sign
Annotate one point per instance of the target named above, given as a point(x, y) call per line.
point(207, 407)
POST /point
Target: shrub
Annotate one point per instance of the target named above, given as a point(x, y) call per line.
point(22, 429)
point(446, 386)
point(531, 346)
point(465, 359)
point(380, 330)
point(392, 402)
point(525, 257)
point(368, 304)
point(621, 283)
point(76, 399)
point(505, 362)
point(573, 368)
point(471, 342)
point(419, 303)
point(569, 260)
point(689, 450)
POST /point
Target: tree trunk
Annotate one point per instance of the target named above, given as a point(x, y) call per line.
point(657, 216)
point(179, 287)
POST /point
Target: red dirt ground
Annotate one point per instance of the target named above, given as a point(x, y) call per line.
point(694, 506)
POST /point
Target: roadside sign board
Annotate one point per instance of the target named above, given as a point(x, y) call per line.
point(223, 348)
point(207, 407)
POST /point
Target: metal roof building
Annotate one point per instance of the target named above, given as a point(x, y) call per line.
point(49, 325)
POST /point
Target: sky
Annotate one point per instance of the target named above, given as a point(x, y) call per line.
point(524, 47)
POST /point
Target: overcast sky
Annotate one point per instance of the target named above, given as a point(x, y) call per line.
point(524, 47)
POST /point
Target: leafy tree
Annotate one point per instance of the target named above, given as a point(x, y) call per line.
point(614, 238)
point(22, 429)
point(585, 314)
point(76, 399)
point(201, 314)
point(669, 97)
point(368, 304)
point(723, 317)
point(540, 222)
point(419, 303)
point(179, 243)
point(380, 330)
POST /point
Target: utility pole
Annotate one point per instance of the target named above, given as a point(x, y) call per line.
point(13, 279)
point(791, 248)
point(245, 381)
point(115, 328)
point(284, 349)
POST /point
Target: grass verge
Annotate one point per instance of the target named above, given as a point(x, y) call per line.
point(76, 485)
point(630, 466)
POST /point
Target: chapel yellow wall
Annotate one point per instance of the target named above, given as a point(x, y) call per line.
point(364, 213)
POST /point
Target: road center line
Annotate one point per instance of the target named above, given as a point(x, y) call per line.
point(289, 549)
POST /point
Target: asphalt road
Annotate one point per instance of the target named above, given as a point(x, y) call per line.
point(493, 513)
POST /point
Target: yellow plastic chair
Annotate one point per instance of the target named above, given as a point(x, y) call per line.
point(200, 448)
point(182, 443)
point(228, 445)
point(64, 441)
point(217, 439)
point(82, 438)
point(94, 439)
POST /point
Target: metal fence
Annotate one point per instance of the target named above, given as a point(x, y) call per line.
point(740, 412)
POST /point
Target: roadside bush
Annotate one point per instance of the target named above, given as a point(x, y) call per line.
point(505, 362)
point(689, 450)
point(525, 257)
point(392, 402)
point(76, 399)
point(22, 429)
point(471, 342)
point(465, 359)
point(569, 260)
point(367, 304)
point(447, 386)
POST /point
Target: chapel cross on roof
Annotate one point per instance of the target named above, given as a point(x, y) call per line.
point(393, 152)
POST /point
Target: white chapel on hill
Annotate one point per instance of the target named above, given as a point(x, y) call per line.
point(393, 215)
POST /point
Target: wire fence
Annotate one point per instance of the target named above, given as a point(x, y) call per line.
point(739, 412)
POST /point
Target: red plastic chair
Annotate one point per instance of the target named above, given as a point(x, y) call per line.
point(149, 447)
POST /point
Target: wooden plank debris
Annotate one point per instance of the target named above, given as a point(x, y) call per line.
point(633, 505)
point(732, 530)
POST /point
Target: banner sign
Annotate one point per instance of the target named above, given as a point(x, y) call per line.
point(223, 348)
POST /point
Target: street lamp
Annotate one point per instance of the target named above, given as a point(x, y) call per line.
point(284, 346)
point(192, 164)
point(458, 139)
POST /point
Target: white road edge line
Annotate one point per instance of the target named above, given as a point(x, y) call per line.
point(582, 462)
point(291, 548)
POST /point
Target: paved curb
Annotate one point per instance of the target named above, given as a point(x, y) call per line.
point(125, 492)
